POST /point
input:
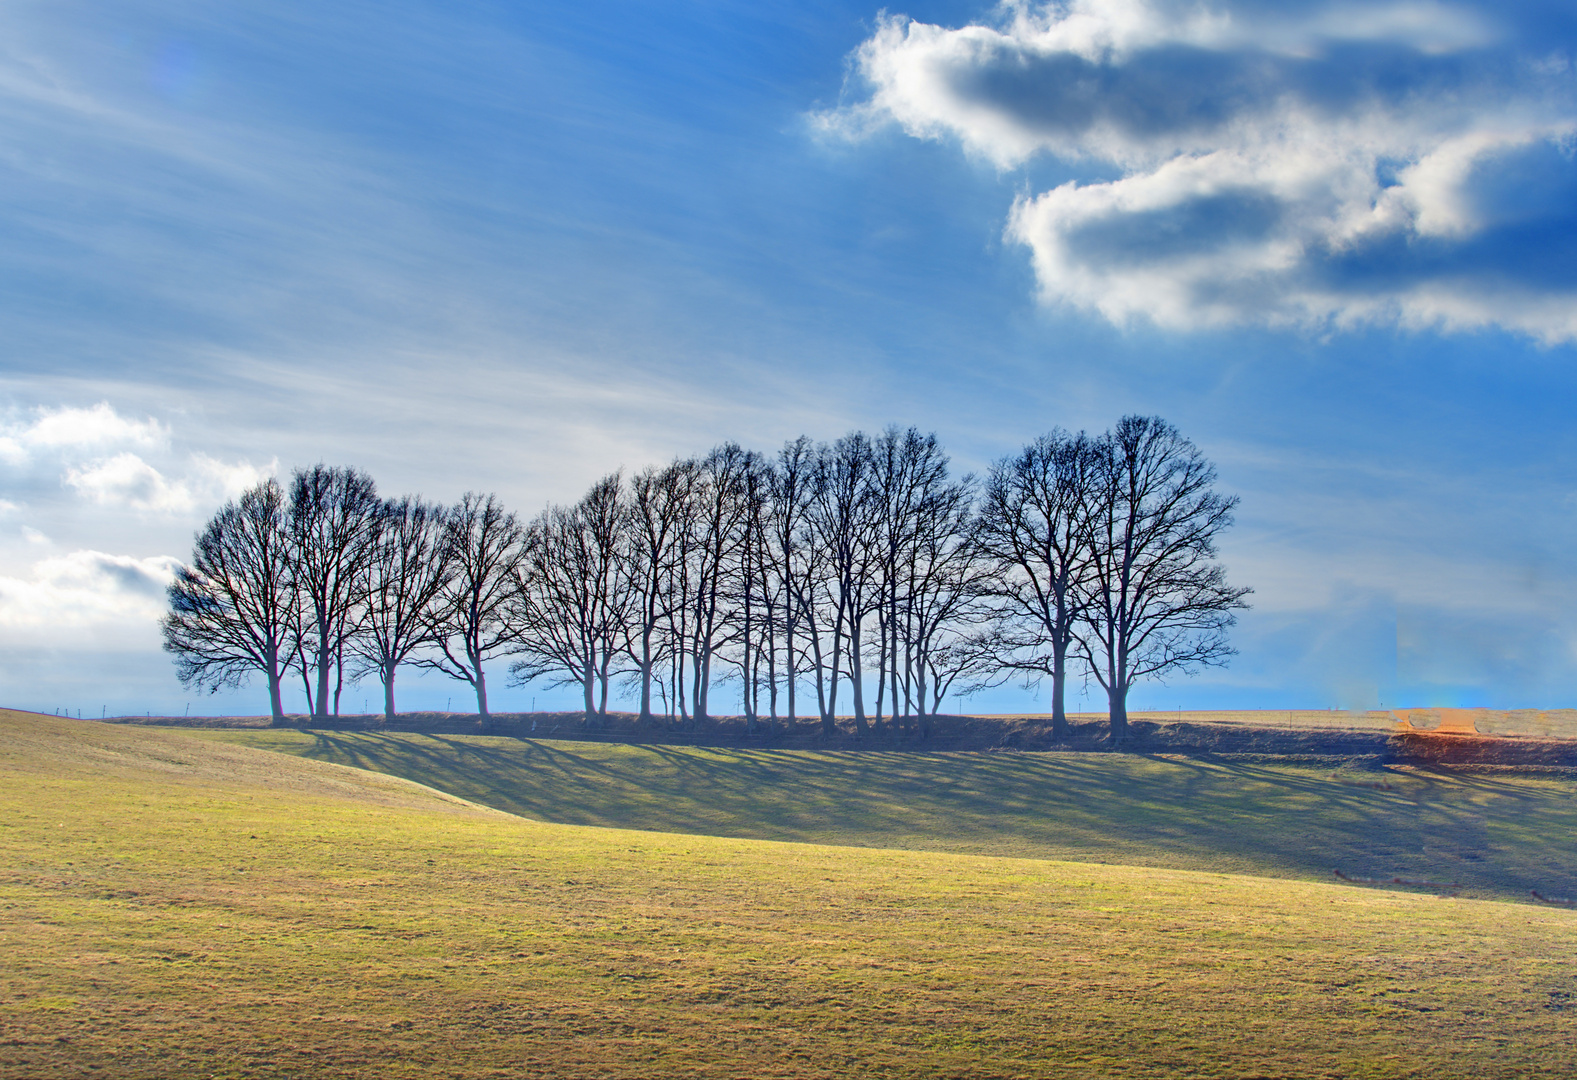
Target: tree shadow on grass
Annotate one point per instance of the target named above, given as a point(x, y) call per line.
point(1494, 835)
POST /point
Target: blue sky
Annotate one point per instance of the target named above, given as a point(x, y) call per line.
point(513, 247)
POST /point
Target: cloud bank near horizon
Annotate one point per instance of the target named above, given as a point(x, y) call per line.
point(128, 475)
point(1406, 163)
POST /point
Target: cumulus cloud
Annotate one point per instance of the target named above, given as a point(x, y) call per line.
point(85, 589)
point(1407, 162)
point(69, 428)
point(128, 480)
point(104, 457)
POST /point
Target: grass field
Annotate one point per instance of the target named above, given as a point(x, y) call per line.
point(1499, 833)
point(1538, 723)
point(179, 907)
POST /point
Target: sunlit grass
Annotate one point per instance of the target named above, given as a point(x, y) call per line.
point(176, 907)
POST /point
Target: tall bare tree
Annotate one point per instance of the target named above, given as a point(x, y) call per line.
point(794, 554)
point(718, 534)
point(486, 543)
point(406, 575)
point(845, 517)
point(232, 608)
point(924, 579)
point(330, 520)
point(1156, 601)
point(766, 596)
point(1034, 537)
point(661, 506)
point(572, 609)
point(752, 592)
point(939, 586)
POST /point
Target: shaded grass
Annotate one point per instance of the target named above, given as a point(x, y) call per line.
point(174, 907)
point(1500, 833)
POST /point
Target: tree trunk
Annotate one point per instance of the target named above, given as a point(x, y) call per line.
point(320, 705)
point(481, 691)
point(306, 686)
point(1059, 684)
point(827, 723)
point(830, 717)
point(772, 673)
point(275, 704)
point(788, 669)
point(388, 693)
point(856, 670)
point(697, 685)
point(881, 674)
point(1117, 701)
point(646, 673)
point(703, 697)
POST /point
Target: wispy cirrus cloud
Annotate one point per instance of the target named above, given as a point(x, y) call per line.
point(1407, 163)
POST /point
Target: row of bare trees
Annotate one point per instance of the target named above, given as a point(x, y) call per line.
point(329, 582)
point(860, 571)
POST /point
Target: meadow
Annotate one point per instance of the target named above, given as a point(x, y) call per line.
point(184, 906)
point(1499, 833)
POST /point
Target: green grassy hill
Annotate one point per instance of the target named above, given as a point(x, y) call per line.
point(178, 907)
point(1499, 833)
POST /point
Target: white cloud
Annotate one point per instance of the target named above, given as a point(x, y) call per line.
point(1404, 162)
point(105, 457)
point(127, 480)
point(85, 589)
point(88, 473)
point(70, 428)
point(213, 481)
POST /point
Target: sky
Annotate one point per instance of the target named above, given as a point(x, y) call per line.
point(513, 247)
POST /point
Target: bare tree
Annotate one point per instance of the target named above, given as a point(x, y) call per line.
point(1034, 537)
point(845, 518)
point(752, 594)
point(661, 506)
point(794, 556)
point(895, 491)
point(572, 607)
point(957, 655)
point(330, 520)
point(408, 570)
point(486, 543)
point(939, 587)
point(718, 534)
point(1156, 601)
point(925, 577)
point(232, 609)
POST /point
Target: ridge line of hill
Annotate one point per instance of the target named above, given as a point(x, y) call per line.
point(954, 733)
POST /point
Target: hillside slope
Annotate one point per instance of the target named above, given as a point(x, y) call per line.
point(1499, 833)
point(175, 908)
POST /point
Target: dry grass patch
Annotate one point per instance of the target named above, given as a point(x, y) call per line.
point(245, 914)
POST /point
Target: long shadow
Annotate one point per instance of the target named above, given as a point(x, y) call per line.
point(1436, 824)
